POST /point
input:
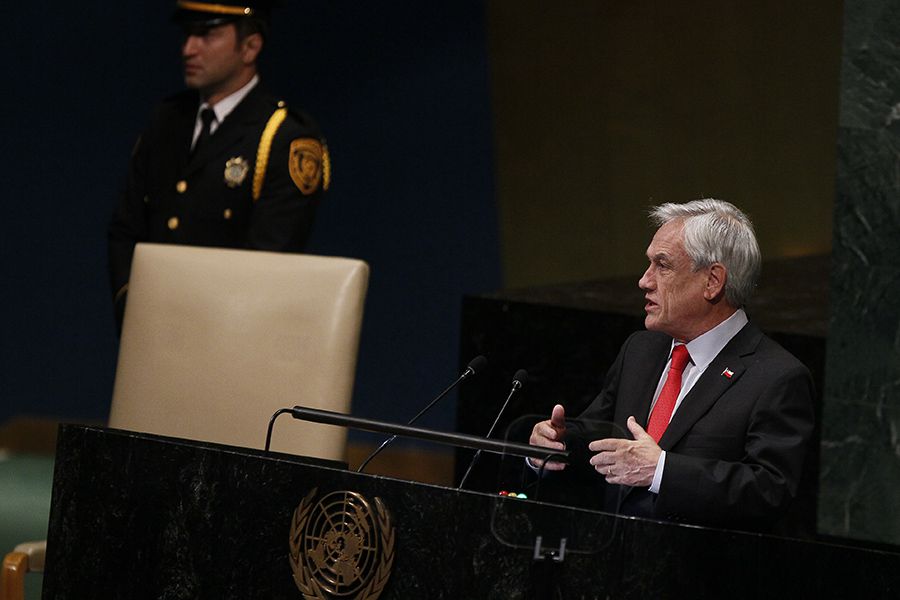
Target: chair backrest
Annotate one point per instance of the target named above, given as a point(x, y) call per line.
point(215, 340)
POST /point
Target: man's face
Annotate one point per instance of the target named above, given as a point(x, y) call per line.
point(676, 304)
point(213, 58)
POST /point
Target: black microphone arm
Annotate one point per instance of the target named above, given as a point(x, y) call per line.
point(460, 440)
point(476, 365)
point(517, 383)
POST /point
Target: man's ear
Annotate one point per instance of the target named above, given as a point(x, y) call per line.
point(252, 46)
point(715, 282)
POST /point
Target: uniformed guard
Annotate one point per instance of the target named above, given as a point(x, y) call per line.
point(223, 163)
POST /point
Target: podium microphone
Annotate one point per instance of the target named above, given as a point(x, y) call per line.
point(475, 366)
point(517, 383)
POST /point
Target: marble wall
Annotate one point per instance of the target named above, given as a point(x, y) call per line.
point(860, 464)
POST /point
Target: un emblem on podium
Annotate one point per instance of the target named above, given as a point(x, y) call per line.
point(342, 547)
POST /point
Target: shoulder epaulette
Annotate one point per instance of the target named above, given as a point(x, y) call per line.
point(265, 147)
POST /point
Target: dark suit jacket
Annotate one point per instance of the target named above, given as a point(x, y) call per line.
point(175, 197)
point(736, 445)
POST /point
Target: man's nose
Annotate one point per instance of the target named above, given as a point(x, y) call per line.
point(644, 281)
point(189, 47)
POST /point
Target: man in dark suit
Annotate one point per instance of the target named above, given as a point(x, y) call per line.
point(224, 163)
point(719, 415)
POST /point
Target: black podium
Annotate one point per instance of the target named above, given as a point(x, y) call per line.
point(141, 516)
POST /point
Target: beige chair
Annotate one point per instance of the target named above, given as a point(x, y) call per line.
point(214, 341)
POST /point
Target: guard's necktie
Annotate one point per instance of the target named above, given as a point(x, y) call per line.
point(665, 404)
point(207, 116)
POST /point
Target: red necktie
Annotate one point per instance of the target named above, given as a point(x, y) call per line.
point(665, 404)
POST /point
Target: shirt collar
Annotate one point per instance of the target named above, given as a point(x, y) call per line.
point(227, 104)
point(704, 348)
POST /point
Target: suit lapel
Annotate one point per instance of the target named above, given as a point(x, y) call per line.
point(637, 400)
point(182, 131)
point(637, 403)
point(712, 384)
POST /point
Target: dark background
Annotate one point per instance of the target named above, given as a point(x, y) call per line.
point(401, 92)
point(476, 146)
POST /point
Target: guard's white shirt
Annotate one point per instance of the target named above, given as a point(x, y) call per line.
point(222, 109)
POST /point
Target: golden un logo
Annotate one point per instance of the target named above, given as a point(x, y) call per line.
point(340, 547)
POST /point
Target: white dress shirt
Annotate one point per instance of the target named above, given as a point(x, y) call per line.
point(222, 109)
point(703, 349)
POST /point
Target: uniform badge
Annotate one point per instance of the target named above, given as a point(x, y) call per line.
point(306, 164)
point(341, 547)
point(236, 170)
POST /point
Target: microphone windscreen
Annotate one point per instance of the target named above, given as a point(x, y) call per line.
point(477, 364)
point(520, 376)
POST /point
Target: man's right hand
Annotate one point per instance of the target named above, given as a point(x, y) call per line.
point(549, 434)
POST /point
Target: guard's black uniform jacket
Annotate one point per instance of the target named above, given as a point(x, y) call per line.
point(254, 183)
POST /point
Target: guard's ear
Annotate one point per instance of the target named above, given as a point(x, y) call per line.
point(716, 277)
point(251, 47)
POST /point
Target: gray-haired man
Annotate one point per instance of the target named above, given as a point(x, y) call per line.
point(720, 415)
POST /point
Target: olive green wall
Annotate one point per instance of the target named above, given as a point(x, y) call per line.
point(602, 108)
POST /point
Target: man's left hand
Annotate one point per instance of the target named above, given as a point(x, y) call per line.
point(627, 462)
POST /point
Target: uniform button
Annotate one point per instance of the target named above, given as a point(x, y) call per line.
point(281, 104)
point(227, 213)
point(181, 186)
point(173, 223)
point(146, 199)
